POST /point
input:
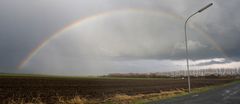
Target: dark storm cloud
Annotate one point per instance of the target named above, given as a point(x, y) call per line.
point(25, 24)
point(223, 26)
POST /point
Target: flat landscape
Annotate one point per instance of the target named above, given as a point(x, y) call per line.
point(50, 89)
point(119, 52)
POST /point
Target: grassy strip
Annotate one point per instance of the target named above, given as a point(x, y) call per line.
point(142, 98)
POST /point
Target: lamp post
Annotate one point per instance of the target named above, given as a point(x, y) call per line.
point(186, 42)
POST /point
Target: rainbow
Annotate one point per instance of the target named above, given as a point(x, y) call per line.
point(88, 19)
point(209, 39)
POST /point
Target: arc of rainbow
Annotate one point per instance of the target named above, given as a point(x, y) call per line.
point(87, 19)
point(209, 39)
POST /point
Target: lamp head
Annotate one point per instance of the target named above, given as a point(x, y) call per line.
point(207, 6)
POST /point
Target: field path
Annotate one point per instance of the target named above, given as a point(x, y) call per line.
point(225, 95)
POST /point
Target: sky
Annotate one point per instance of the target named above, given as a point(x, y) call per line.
point(96, 37)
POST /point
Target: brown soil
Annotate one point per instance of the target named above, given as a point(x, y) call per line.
point(49, 88)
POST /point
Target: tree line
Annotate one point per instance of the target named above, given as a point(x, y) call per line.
point(201, 73)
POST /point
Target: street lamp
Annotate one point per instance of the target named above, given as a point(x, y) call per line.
point(186, 42)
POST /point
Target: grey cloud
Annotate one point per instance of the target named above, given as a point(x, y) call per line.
point(223, 26)
point(212, 62)
point(121, 38)
point(192, 45)
point(140, 38)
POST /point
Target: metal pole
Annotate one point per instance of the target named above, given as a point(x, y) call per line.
point(186, 43)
